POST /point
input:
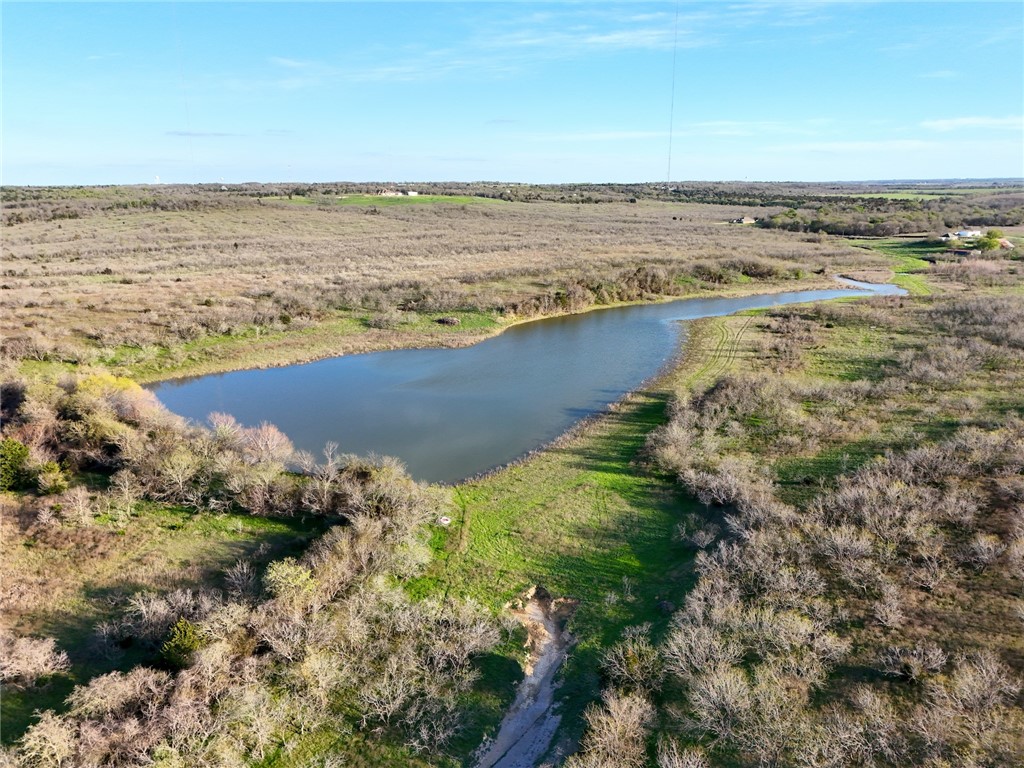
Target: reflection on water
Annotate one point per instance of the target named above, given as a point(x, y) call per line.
point(452, 413)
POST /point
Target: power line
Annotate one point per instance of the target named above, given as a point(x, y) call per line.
point(183, 85)
point(672, 97)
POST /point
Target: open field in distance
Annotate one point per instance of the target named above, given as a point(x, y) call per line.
point(224, 264)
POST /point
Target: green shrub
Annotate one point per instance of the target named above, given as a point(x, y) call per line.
point(184, 639)
point(13, 457)
point(50, 479)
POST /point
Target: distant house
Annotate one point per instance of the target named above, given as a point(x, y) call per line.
point(962, 234)
point(744, 220)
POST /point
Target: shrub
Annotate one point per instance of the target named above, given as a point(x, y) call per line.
point(13, 457)
point(183, 641)
point(47, 743)
point(634, 664)
point(25, 659)
point(50, 479)
point(616, 732)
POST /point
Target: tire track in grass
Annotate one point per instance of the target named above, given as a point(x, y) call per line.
point(722, 358)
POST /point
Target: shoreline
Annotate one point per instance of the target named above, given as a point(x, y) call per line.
point(297, 356)
point(690, 330)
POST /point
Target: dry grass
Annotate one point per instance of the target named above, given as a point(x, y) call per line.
point(113, 276)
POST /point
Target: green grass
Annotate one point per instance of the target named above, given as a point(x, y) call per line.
point(583, 520)
point(909, 254)
point(310, 750)
point(44, 369)
point(908, 258)
point(916, 285)
point(427, 325)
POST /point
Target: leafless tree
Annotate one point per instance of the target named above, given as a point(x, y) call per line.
point(23, 660)
point(616, 733)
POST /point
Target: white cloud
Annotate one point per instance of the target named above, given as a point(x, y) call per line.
point(287, 63)
point(1015, 122)
point(880, 145)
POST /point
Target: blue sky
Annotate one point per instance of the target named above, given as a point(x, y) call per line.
point(530, 92)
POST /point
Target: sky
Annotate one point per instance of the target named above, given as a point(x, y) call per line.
point(185, 92)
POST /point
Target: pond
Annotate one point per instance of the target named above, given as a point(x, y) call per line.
point(449, 414)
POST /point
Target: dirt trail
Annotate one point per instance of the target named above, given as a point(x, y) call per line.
point(530, 723)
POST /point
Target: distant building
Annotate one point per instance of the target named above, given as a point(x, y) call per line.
point(962, 234)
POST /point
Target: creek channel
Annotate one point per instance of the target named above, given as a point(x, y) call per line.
point(450, 414)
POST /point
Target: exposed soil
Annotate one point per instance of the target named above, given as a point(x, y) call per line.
point(530, 723)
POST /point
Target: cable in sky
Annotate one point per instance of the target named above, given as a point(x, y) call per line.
point(672, 97)
point(184, 89)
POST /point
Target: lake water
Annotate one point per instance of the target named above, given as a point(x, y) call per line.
point(453, 413)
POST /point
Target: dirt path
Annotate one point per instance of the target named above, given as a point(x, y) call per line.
point(530, 723)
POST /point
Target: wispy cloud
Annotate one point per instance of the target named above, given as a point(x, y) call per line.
point(568, 43)
point(573, 137)
point(811, 127)
point(839, 147)
point(518, 42)
point(287, 63)
point(1015, 123)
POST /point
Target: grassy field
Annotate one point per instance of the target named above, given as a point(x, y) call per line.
point(909, 263)
point(589, 517)
point(101, 275)
point(63, 583)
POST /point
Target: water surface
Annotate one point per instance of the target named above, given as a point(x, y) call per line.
point(453, 413)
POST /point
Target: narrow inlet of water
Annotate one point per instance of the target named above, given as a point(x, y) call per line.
point(449, 414)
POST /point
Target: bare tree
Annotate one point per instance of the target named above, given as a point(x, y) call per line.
point(23, 660)
point(616, 733)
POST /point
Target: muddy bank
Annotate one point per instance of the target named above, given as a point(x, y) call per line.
point(529, 725)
